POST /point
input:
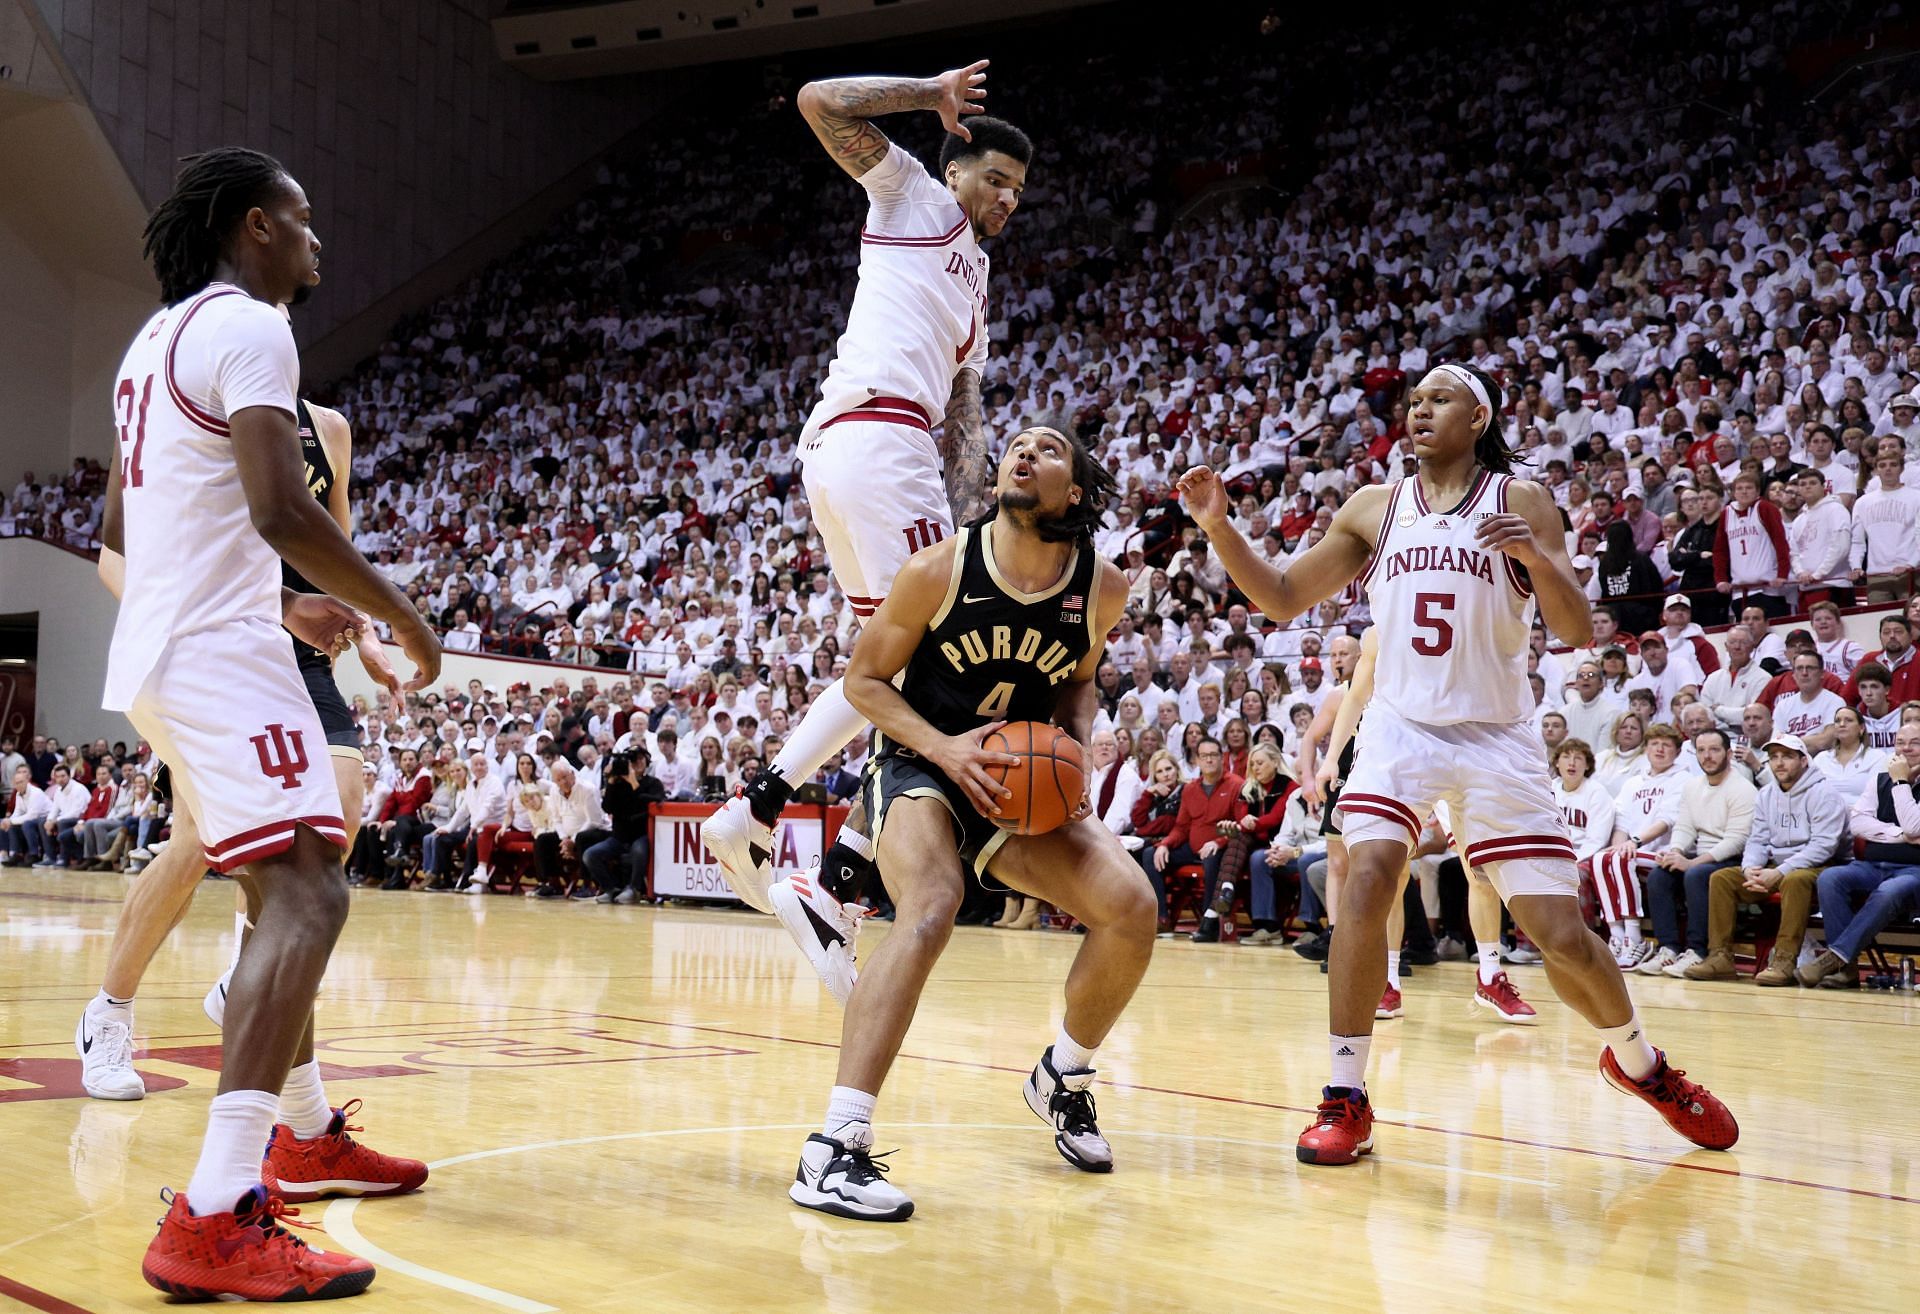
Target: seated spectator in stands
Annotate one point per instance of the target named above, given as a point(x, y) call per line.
point(1750, 745)
point(1710, 829)
point(1769, 645)
point(1114, 783)
point(1878, 717)
point(25, 824)
point(1799, 824)
point(1553, 732)
point(67, 802)
point(105, 820)
point(1740, 682)
point(1896, 655)
point(1586, 806)
point(1626, 756)
point(1808, 712)
point(1253, 821)
point(463, 635)
point(1644, 809)
point(475, 824)
point(1850, 764)
point(1785, 685)
point(1296, 833)
point(1664, 674)
point(1590, 711)
point(1885, 879)
point(529, 814)
point(402, 825)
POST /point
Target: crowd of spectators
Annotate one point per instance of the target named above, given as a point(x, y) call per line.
point(1696, 287)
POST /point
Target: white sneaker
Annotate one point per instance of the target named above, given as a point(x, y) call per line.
point(141, 855)
point(822, 926)
point(215, 1003)
point(1656, 962)
point(1809, 950)
point(105, 1045)
point(1064, 1100)
point(845, 1180)
point(744, 849)
point(477, 883)
point(1678, 967)
point(158, 847)
point(1524, 955)
point(1632, 953)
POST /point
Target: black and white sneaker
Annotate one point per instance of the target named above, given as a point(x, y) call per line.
point(822, 926)
point(846, 1181)
point(1064, 1100)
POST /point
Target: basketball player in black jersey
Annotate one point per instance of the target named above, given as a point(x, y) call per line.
point(1006, 621)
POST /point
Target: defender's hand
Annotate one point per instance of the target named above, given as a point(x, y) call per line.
point(316, 619)
point(1205, 497)
point(373, 656)
point(423, 650)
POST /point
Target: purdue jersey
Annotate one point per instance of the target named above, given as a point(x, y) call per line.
point(320, 477)
point(1454, 616)
point(993, 653)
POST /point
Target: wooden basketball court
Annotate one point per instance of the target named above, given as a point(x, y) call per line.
point(613, 1100)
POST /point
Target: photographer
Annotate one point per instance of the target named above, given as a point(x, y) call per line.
point(628, 798)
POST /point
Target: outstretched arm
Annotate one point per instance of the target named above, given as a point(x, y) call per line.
point(838, 110)
point(1322, 570)
point(963, 450)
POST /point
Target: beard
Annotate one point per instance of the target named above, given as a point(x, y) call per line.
point(1019, 499)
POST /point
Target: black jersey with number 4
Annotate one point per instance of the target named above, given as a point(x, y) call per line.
point(993, 653)
point(320, 477)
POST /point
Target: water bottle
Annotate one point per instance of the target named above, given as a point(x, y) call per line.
point(1906, 975)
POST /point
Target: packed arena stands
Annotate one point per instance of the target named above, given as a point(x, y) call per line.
point(1698, 295)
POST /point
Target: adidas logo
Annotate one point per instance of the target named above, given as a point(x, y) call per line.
point(1345, 1051)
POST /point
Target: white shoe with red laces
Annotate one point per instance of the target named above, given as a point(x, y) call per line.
point(822, 926)
point(1501, 999)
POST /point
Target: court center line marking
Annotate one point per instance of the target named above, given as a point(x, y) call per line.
point(339, 1214)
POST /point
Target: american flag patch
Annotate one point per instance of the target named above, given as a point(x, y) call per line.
point(1074, 602)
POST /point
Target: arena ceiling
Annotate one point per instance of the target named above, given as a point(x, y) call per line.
point(595, 38)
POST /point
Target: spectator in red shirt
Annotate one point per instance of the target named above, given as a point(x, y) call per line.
point(1751, 558)
point(400, 823)
point(1207, 804)
point(1896, 654)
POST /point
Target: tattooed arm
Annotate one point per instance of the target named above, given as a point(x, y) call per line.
point(963, 450)
point(838, 110)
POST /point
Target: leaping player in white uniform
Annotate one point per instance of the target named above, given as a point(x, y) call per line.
point(1452, 559)
point(910, 359)
point(207, 497)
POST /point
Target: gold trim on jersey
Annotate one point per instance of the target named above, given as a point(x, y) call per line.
point(1026, 599)
point(953, 584)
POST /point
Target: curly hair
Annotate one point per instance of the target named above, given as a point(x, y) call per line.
point(1097, 487)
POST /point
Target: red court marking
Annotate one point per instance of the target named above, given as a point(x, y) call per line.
point(38, 1299)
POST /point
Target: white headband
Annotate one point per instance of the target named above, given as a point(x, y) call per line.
point(1464, 375)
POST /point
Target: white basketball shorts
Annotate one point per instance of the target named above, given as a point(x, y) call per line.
point(1493, 780)
point(227, 710)
point(878, 497)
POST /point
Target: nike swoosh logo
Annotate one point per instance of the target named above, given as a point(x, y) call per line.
point(86, 1045)
point(965, 349)
point(968, 598)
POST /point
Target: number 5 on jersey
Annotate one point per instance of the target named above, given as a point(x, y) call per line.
point(1430, 611)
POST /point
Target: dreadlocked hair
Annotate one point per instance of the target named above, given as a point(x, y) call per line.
point(1097, 485)
point(1490, 448)
point(187, 232)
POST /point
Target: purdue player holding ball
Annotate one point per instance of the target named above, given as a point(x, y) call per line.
point(1006, 621)
point(1452, 559)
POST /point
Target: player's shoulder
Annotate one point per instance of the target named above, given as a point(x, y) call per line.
point(332, 425)
point(232, 315)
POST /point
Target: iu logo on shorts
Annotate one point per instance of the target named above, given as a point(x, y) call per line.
point(923, 533)
point(286, 761)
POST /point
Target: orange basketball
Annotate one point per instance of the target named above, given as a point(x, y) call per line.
point(1049, 782)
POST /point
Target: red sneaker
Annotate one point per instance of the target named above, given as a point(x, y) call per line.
point(1689, 1108)
point(1503, 1001)
point(334, 1164)
point(1390, 1005)
point(246, 1254)
point(1342, 1130)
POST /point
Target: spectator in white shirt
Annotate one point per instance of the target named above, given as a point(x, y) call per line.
point(1808, 711)
point(1886, 532)
point(1820, 539)
point(1850, 764)
point(1590, 710)
point(464, 636)
point(1729, 690)
point(25, 825)
point(482, 811)
point(66, 804)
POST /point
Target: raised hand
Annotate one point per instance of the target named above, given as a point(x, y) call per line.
point(1205, 497)
point(960, 91)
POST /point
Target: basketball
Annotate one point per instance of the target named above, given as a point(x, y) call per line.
point(1049, 782)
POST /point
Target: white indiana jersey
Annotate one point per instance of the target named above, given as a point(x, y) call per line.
point(1454, 617)
point(1751, 556)
point(920, 310)
point(194, 559)
point(1647, 798)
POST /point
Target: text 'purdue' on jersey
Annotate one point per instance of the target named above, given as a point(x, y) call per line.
point(993, 653)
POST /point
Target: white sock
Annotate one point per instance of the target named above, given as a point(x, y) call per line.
point(238, 1125)
point(240, 928)
point(1489, 961)
point(303, 1102)
point(1350, 1060)
point(854, 840)
point(1393, 968)
point(1069, 1055)
point(121, 1009)
point(1618, 929)
point(850, 1116)
point(829, 725)
point(1628, 1041)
